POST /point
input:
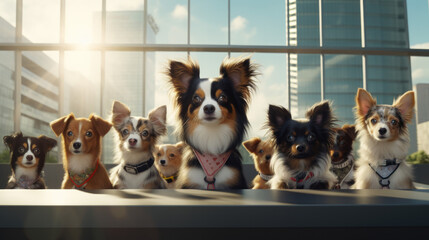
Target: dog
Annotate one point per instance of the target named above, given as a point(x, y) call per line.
point(27, 158)
point(384, 142)
point(81, 140)
point(212, 121)
point(342, 159)
point(168, 159)
point(301, 158)
point(136, 139)
point(261, 152)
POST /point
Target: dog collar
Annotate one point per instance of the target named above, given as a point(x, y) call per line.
point(141, 167)
point(301, 178)
point(169, 179)
point(344, 164)
point(384, 172)
point(80, 180)
point(388, 162)
point(211, 164)
point(25, 182)
point(266, 177)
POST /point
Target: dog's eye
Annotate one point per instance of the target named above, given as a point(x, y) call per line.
point(291, 138)
point(171, 154)
point(394, 122)
point(88, 134)
point(261, 151)
point(222, 98)
point(145, 133)
point(125, 132)
point(373, 121)
point(311, 137)
point(196, 99)
point(69, 133)
point(36, 151)
point(21, 150)
point(158, 154)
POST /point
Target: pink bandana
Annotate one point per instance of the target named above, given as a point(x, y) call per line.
point(211, 164)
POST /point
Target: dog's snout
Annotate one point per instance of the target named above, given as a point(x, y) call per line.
point(300, 148)
point(268, 157)
point(77, 145)
point(382, 131)
point(209, 109)
point(29, 158)
point(132, 141)
point(162, 162)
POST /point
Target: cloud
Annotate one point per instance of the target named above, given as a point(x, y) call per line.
point(180, 12)
point(419, 66)
point(268, 71)
point(421, 45)
point(238, 23)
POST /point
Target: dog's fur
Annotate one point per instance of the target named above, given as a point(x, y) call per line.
point(136, 139)
point(81, 140)
point(168, 159)
point(212, 118)
point(261, 151)
point(27, 158)
point(302, 148)
point(383, 134)
point(342, 158)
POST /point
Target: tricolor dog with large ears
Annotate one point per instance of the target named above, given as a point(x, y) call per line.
point(81, 139)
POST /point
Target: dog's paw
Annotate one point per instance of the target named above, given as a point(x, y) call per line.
point(320, 185)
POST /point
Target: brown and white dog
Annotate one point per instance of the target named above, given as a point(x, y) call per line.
point(212, 121)
point(136, 139)
point(27, 158)
point(261, 151)
point(168, 159)
point(81, 139)
point(384, 142)
point(342, 159)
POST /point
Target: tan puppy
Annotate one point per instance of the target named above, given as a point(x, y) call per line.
point(168, 159)
point(261, 152)
point(81, 138)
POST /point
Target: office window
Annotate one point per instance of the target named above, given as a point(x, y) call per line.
point(41, 21)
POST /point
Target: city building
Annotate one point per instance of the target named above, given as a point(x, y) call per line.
point(422, 116)
point(314, 77)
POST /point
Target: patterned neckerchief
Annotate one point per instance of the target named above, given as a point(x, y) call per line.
point(80, 180)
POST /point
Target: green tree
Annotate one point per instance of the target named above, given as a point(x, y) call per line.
point(419, 157)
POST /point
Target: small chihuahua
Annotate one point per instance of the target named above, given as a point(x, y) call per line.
point(261, 152)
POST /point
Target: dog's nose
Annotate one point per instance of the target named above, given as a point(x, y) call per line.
point(29, 157)
point(209, 109)
point(162, 162)
point(382, 131)
point(336, 154)
point(268, 157)
point(132, 141)
point(300, 148)
point(77, 145)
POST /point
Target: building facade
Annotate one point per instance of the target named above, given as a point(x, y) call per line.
point(422, 116)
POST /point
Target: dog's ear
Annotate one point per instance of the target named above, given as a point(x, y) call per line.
point(405, 104)
point(364, 102)
point(350, 130)
point(9, 141)
point(102, 126)
point(158, 118)
point(120, 111)
point(277, 116)
point(181, 74)
point(241, 72)
point(321, 114)
point(251, 145)
point(59, 125)
point(180, 145)
point(48, 142)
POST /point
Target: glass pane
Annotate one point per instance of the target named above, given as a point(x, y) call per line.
point(343, 76)
point(209, 63)
point(209, 22)
point(156, 63)
point(341, 23)
point(305, 85)
point(82, 78)
point(302, 23)
point(7, 102)
point(167, 21)
point(7, 20)
point(83, 24)
point(258, 23)
point(41, 21)
point(418, 14)
point(386, 24)
point(39, 94)
point(124, 21)
point(124, 82)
